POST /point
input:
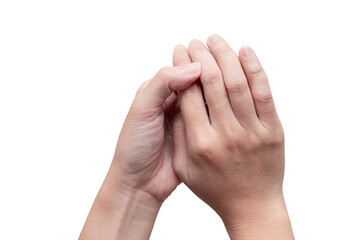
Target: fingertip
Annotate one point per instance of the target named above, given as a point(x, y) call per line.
point(179, 48)
point(180, 55)
point(184, 76)
point(193, 68)
point(213, 38)
point(193, 42)
point(246, 51)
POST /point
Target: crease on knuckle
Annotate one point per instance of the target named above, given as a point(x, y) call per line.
point(189, 96)
point(211, 77)
point(263, 97)
point(235, 85)
point(256, 72)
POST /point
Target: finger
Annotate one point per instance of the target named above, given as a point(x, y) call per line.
point(142, 86)
point(214, 89)
point(170, 102)
point(181, 158)
point(259, 86)
point(180, 149)
point(191, 100)
point(167, 80)
point(181, 56)
point(235, 80)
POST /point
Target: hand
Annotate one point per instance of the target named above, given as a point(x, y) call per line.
point(236, 152)
point(144, 152)
point(141, 175)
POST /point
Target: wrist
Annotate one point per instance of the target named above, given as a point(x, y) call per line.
point(117, 196)
point(266, 219)
point(121, 212)
point(133, 209)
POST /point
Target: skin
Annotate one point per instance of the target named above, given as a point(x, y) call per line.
point(141, 175)
point(236, 153)
point(231, 155)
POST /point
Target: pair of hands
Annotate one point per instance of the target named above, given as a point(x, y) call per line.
point(223, 139)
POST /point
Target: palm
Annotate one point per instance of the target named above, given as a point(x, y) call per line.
point(150, 166)
point(153, 136)
point(165, 180)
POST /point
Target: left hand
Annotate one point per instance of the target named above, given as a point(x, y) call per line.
point(141, 175)
point(145, 149)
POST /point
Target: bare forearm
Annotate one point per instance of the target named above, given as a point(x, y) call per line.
point(120, 214)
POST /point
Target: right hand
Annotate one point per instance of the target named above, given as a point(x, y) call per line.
point(236, 153)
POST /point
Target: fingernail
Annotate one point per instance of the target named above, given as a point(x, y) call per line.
point(192, 68)
point(214, 38)
point(247, 51)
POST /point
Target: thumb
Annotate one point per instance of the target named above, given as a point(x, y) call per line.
point(167, 80)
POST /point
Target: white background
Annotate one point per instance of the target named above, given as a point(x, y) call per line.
point(69, 70)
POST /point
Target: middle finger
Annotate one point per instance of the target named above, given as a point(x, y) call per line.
point(235, 81)
point(211, 78)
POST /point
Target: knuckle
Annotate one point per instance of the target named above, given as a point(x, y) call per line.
point(235, 85)
point(263, 97)
point(273, 140)
point(201, 147)
point(211, 76)
point(189, 97)
point(230, 140)
point(254, 142)
point(277, 139)
point(256, 71)
point(258, 141)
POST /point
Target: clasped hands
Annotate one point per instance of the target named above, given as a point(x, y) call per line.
point(209, 122)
